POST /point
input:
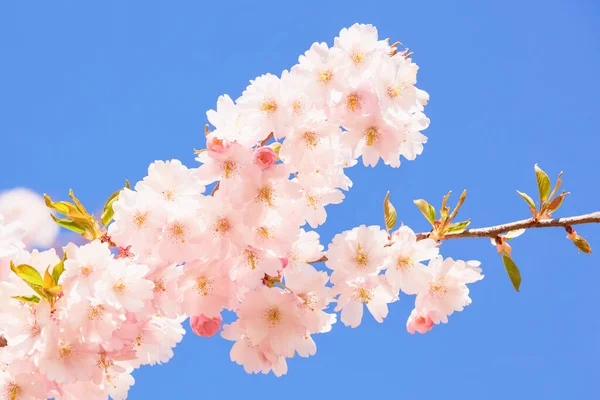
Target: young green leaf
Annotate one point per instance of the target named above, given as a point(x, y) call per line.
point(543, 183)
point(427, 210)
point(558, 183)
point(528, 199)
point(445, 209)
point(59, 269)
point(458, 227)
point(512, 270)
point(52, 291)
point(461, 200)
point(48, 279)
point(27, 299)
point(68, 224)
point(27, 273)
point(557, 202)
point(389, 213)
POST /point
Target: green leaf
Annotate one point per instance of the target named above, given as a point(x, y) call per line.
point(445, 209)
point(458, 227)
point(528, 199)
point(27, 299)
point(543, 183)
point(48, 279)
point(108, 213)
point(461, 200)
point(512, 270)
point(59, 269)
point(582, 244)
point(52, 292)
point(27, 273)
point(557, 202)
point(427, 210)
point(68, 224)
point(558, 183)
point(62, 207)
point(389, 213)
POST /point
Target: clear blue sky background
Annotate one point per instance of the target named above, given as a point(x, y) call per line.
point(92, 92)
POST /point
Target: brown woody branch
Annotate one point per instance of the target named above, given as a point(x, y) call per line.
point(495, 231)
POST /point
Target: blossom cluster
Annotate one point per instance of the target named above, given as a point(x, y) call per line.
point(109, 318)
point(371, 268)
point(232, 234)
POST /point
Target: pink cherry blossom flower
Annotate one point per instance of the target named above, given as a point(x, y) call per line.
point(447, 289)
point(358, 253)
point(64, 358)
point(262, 103)
point(123, 286)
point(419, 323)
point(231, 125)
point(404, 270)
point(171, 183)
point(264, 157)
point(322, 70)
point(204, 326)
point(85, 266)
point(206, 288)
point(138, 221)
point(370, 291)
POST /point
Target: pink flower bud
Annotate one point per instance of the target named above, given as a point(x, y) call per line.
point(217, 145)
point(204, 326)
point(418, 323)
point(264, 157)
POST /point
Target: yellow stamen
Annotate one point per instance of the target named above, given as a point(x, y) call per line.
point(357, 58)
point(405, 263)
point(95, 312)
point(325, 76)
point(177, 232)
point(12, 391)
point(160, 285)
point(64, 349)
point(311, 139)
point(223, 226)
point(168, 194)
point(86, 271)
point(120, 287)
point(266, 195)
point(363, 295)
point(297, 107)
point(394, 91)
point(438, 288)
point(312, 200)
point(140, 219)
point(371, 135)
point(265, 232)
point(273, 316)
point(361, 258)
point(353, 102)
point(229, 167)
point(203, 286)
point(268, 107)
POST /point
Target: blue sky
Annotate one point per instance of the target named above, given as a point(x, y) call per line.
point(92, 92)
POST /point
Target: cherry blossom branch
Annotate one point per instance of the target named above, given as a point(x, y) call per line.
point(495, 231)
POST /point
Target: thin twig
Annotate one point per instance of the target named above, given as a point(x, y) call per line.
point(495, 231)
